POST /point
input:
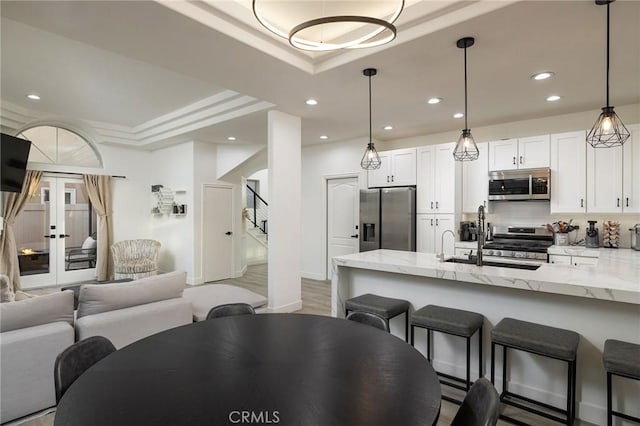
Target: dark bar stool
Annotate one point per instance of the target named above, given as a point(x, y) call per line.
point(386, 307)
point(620, 359)
point(542, 340)
point(455, 322)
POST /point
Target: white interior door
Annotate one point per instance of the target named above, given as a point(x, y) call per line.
point(54, 234)
point(217, 233)
point(342, 218)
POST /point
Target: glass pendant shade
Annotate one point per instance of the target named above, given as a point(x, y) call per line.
point(608, 130)
point(466, 148)
point(370, 159)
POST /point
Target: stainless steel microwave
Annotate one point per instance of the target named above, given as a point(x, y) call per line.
point(522, 184)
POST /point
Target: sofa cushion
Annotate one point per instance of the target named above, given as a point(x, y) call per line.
point(98, 298)
point(39, 310)
point(205, 297)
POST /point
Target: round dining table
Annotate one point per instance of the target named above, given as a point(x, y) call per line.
point(288, 369)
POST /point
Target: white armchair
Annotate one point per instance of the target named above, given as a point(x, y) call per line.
point(135, 258)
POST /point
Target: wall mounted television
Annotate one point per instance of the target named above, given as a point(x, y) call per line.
point(14, 153)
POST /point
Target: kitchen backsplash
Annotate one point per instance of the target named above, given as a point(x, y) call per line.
point(537, 213)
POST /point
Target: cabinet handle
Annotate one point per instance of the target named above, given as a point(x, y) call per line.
point(581, 202)
point(432, 205)
point(431, 222)
point(618, 203)
point(436, 208)
point(514, 160)
point(436, 222)
point(484, 203)
point(391, 178)
point(387, 179)
point(627, 201)
point(521, 159)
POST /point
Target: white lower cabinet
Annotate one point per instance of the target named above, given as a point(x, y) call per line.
point(429, 230)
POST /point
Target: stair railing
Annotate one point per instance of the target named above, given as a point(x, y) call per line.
point(260, 212)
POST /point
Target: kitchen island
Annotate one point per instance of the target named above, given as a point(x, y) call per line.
point(599, 302)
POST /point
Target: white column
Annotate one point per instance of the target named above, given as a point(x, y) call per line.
point(285, 212)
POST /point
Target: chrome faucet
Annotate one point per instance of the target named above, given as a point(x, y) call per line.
point(480, 234)
point(441, 255)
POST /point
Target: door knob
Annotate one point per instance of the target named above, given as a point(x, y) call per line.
point(228, 233)
point(354, 236)
point(50, 236)
point(63, 235)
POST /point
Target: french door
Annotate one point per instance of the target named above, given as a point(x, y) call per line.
point(56, 235)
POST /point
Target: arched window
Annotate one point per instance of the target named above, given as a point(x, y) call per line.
point(56, 145)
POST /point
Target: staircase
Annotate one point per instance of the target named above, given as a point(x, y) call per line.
point(257, 228)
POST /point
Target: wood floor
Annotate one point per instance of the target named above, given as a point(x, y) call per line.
point(316, 299)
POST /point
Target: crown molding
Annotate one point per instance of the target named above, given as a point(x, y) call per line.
point(222, 106)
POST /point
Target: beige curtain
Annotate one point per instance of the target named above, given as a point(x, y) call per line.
point(99, 190)
point(13, 204)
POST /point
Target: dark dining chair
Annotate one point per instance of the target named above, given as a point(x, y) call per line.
point(480, 407)
point(367, 318)
point(76, 359)
point(230, 309)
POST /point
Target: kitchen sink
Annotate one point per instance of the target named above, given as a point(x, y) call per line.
point(472, 261)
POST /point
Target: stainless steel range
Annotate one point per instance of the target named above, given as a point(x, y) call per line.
point(519, 242)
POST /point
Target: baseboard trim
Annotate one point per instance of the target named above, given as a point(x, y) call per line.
point(241, 272)
point(291, 307)
point(312, 276)
point(260, 261)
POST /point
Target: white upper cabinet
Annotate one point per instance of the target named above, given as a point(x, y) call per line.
point(613, 177)
point(568, 172)
point(522, 153)
point(503, 155)
point(475, 181)
point(631, 172)
point(398, 168)
point(436, 179)
point(533, 152)
point(604, 179)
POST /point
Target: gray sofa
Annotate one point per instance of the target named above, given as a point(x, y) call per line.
point(36, 330)
point(32, 333)
point(126, 312)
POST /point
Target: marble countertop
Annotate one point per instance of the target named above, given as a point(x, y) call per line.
point(616, 277)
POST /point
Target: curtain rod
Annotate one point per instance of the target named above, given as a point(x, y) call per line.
point(79, 174)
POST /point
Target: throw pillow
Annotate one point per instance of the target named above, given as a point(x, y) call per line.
point(89, 243)
point(54, 307)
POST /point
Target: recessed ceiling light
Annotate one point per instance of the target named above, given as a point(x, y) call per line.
point(311, 102)
point(231, 138)
point(33, 97)
point(388, 127)
point(542, 75)
point(434, 101)
point(553, 98)
point(458, 115)
point(324, 137)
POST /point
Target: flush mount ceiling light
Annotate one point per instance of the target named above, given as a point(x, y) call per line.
point(387, 128)
point(608, 130)
point(324, 137)
point(542, 75)
point(370, 159)
point(466, 148)
point(553, 98)
point(433, 101)
point(311, 102)
point(231, 138)
point(458, 115)
point(330, 25)
point(33, 97)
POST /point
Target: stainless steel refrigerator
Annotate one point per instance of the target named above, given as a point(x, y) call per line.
point(388, 219)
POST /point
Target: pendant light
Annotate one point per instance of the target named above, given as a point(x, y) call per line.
point(370, 159)
point(608, 130)
point(466, 148)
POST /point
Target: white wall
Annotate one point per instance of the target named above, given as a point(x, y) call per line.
point(263, 177)
point(318, 163)
point(173, 168)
